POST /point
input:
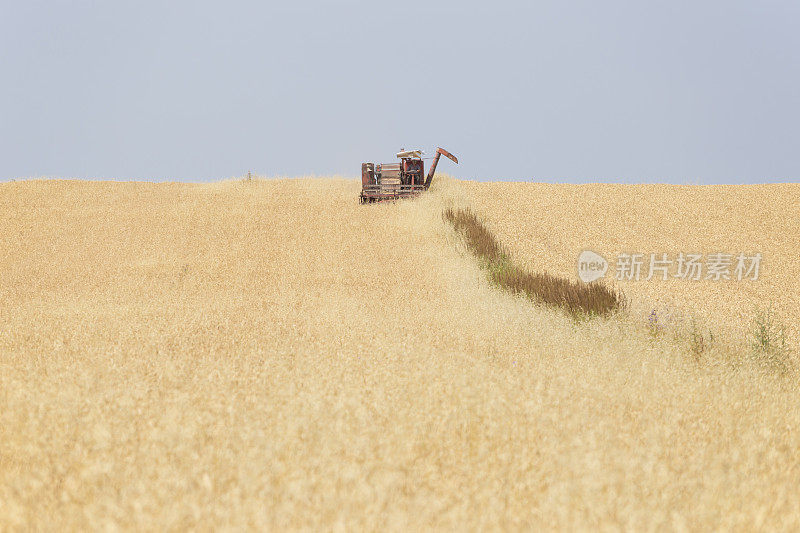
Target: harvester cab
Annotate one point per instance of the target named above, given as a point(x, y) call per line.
point(399, 180)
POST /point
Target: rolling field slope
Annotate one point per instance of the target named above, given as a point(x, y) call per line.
point(270, 354)
point(547, 226)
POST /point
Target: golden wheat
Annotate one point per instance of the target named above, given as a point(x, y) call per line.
point(269, 354)
point(549, 225)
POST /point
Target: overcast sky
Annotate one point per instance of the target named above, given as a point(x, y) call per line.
point(623, 91)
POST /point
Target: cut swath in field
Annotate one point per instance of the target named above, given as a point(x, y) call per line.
point(578, 299)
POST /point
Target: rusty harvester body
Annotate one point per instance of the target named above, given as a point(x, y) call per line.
point(398, 180)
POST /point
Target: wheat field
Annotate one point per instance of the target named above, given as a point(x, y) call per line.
point(549, 225)
point(268, 354)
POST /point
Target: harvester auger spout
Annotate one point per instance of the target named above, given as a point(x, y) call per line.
point(393, 181)
point(439, 152)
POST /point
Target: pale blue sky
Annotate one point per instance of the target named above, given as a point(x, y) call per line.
point(627, 91)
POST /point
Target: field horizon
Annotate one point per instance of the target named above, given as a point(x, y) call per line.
point(268, 353)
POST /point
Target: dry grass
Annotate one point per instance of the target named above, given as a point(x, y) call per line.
point(580, 300)
point(270, 354)
point(477, 236)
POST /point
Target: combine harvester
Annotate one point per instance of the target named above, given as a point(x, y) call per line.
point(398, 180)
